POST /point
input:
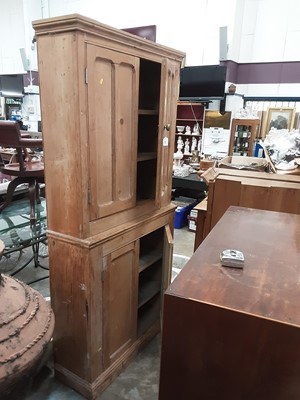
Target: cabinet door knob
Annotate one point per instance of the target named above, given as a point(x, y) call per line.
point(167, 127)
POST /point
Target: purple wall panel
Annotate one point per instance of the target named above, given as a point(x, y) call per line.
point(34, 76)
point(259, 73)
point(231, 72)
point(147, 32)
point(279, 72)
point(291, 72)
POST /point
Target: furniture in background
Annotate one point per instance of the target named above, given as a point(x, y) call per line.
point(189, 114)
point(8, 156)
point(33, 134)
point(235, 333)
point(259, 190)
point(242, 136)
point(189, 186)
point(200, 210)
point(193, 182)
point(17, 234)
point(22, 169)
point(110, 249)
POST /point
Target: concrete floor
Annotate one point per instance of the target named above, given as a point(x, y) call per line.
point(139, 381)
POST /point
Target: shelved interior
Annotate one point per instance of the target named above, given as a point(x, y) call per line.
point(146, 179)
point(241, 143)
point(190, 112)
point(148, 120)
point(147, 133)
point(150, 279)
point(149, 85)
point(148, 314)
point(189, 115)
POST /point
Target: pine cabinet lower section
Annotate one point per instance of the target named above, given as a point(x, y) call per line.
point(119, 302)
point(107, 296)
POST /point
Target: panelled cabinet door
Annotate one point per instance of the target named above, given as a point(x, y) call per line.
point(168, 257)
point(169, 92)
point(112, 88)
point(119, 302)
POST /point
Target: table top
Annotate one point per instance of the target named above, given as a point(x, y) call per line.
point(33, 134)
point(192, 181)
point(15, 229)
point(268, 285)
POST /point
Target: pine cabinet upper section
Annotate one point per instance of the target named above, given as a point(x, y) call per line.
point(108, 101)
point(112, 87)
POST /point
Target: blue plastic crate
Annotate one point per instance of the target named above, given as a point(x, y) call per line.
point(182, 211)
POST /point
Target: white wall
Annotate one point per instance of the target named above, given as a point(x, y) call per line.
point(192, 27)
point(270, 90)
point(258, 30)
point(12, 30)
point(266, 31)
point(33, 10)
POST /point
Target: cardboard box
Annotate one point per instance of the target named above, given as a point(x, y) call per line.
point(194, 213)
point(245, 163)
point(192, 223)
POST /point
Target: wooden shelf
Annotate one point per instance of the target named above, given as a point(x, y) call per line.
point(186, 134)
point(190, 103)
point(148, 314)
point(149, 259)
point(189, 119)
point(148, 112)
point(148, 291)
point(146, 156)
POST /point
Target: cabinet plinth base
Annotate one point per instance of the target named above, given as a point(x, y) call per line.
point(92, 390)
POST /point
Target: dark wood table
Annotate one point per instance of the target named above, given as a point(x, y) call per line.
point(191, 186)
point(193, 181)
point(234, 334)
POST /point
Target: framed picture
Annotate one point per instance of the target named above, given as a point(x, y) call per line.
point(280, 118)
point(214, 119)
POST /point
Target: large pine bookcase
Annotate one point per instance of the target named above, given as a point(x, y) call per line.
point(108, 103)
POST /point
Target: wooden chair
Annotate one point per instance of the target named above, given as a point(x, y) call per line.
point(24, 170)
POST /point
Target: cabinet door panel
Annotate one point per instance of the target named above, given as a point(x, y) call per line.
point(119, 302)
point(169, 90)
point(168, 256)
point(112, 93)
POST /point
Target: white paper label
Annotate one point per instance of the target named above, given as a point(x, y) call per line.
point(165, 141)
